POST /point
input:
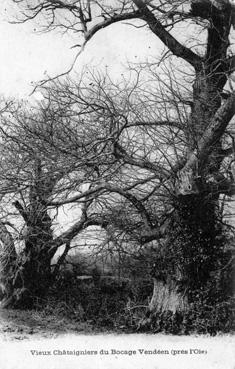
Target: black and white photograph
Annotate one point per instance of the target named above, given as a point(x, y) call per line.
point(117, 184)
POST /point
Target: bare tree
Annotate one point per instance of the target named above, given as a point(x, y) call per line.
point(198, 169)
point(32, 174)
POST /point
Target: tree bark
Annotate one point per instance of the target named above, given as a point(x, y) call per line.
point(195, 248)
point(32, 274)
point(8, 258)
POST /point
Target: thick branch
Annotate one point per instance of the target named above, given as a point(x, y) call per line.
point(75, 229)
point(121, 153)
point(175, 46)
point(76, 198)
point(107, 22)
point(212, 134)
point(22, 212)
point(207, 9)
point(109, 188)
point(137, 204)
point(61, 260)
point(102, 187)
point(159, 232)
point(8, 253)
point(230, 65)
point(156, 123)
point(156, 234)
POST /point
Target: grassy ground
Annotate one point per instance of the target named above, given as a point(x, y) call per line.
point(21, 324)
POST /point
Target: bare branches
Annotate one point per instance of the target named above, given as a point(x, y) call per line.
point(123, 144)
point(107, 22)
point(176, 48)
point(80, 14)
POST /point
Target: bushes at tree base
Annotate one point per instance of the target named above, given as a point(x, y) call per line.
point(198, 318)
point(124, 307)
point(111, 304)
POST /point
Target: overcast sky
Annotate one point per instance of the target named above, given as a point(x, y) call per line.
point(25, 55)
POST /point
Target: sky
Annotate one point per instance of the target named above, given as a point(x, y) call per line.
point(27, 56)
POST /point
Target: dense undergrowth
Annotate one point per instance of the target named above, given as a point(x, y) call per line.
point(113, 304)
point(117, 305)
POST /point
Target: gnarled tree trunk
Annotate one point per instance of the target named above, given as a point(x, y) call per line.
point(195, 249)
point(32, 267)
point(8, 261)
